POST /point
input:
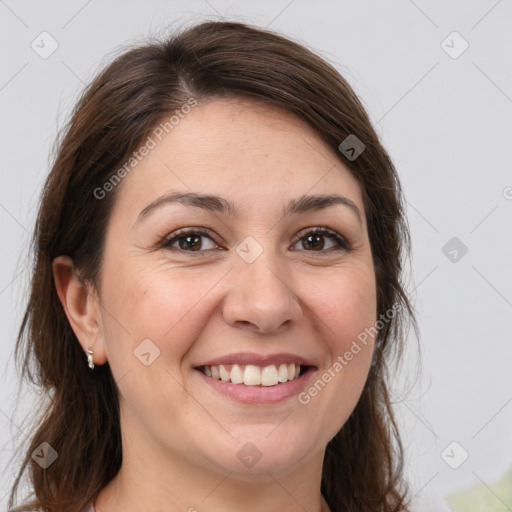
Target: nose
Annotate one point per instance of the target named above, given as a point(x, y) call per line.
point(260, 296)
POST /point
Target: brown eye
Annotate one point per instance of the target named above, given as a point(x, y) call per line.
point(189, 240)
point(314, 240)
point(192, 242)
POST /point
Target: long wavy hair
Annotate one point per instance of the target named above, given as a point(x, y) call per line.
point(363, 465)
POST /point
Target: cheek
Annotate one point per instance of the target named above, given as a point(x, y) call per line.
point(347, 311)
point(350, 313)
point(156, 303)
point(349, 307)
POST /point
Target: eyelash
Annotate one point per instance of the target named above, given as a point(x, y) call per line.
point(342, 244)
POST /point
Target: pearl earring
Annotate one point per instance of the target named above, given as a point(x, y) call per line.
point(89, 358)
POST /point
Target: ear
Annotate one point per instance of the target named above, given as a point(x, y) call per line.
point(81, 307)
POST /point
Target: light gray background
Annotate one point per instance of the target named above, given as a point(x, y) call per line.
point(447, 124)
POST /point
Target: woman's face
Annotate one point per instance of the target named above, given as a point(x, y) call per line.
point(259, 290)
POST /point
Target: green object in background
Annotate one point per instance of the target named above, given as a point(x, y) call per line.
point(482, 498)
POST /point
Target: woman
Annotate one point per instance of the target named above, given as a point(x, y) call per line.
point(217, 288)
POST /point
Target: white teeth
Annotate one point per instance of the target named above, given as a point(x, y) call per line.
point(224, 375)
point(291, 371)
point(269, 376)
point(252, 375)
point(237, 374)
point(283, 372)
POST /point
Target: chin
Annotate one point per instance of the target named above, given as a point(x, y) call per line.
point(258, 453)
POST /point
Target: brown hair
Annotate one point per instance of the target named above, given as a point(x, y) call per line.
point(364, 461)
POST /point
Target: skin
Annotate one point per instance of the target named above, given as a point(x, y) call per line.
point(181, 438)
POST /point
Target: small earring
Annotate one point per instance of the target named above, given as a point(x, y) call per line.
point(89, 358)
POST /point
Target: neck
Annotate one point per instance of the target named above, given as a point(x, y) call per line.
point(173, 484)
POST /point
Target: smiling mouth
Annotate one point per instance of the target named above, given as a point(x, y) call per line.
point(253, 375)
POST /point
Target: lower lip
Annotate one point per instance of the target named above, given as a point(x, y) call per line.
point(259, 394)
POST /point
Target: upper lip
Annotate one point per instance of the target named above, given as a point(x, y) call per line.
point(258, 359)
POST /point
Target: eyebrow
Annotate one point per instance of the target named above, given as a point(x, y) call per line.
point(303, 204)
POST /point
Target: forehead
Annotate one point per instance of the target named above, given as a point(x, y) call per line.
point(242, 150)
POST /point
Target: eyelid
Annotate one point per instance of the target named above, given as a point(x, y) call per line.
point(340, 240)
point(175, 235)
point(324, 230)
